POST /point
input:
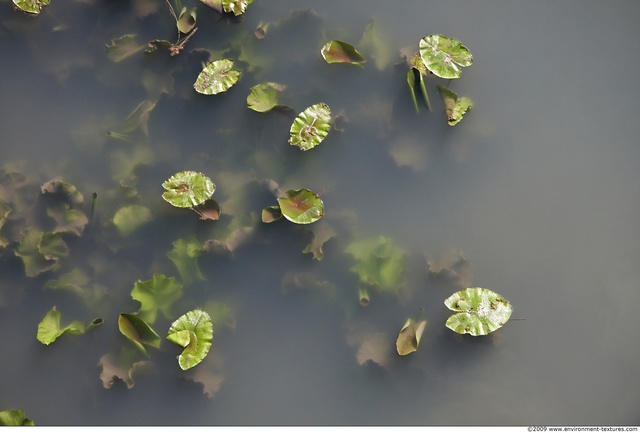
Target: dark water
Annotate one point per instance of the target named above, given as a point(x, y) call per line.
point(537, 187)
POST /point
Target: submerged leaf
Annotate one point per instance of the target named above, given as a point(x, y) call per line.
point(341, 52)
point(310, 127)
point(264, 96)
point(122, 48)
point(188, 189)
point(121, 365)
point(130, 218)
point(49, 328)
point(138, 332)
point(454, 107)
point(444, 56)
point(481, 311)
point(31, 6)
point(216, 77)
point(322, 232)
point(194, 332)
point(380, 263)
point(158, 293)
point(40, 251)
point(184, 256)
point(409, 336)
point(301, 206)
point(376, 43)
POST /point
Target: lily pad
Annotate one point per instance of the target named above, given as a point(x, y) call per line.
point(454, 107)
point(409, 337)
point(157, 294)
point(310, 127)
point(444, 56)
point(237, 7)
point(264, 96)
point(31, 6)
point(342, 52)
point(216, 77)
point(187, 189)
point(194, 332)
point(271, 214)
point(49, 328)
point(186, 20)
point(14, 417)
point(138, 332)
point(301, 206)
point(481, 311)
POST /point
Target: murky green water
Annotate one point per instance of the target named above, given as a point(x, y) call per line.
point(536, 188)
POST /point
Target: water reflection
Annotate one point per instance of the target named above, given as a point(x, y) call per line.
point(534, 188)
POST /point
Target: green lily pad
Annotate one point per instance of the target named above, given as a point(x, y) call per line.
point(271, 214)
point(194, 332)
point(237, 7)
point(481, 311)
point(122, 48)
point(444, 56)
point(454, 107)
point(342, 52)
point(157, 294)
point(188, 189)
point(301, 206)
point(14, 417)
point(31, 6)
point(49, 328)
point(186, 20)
point(409, 336)
point(216, 77)
point(138, 332)
point(264, 96)
point(129, 218)
point(310, 127)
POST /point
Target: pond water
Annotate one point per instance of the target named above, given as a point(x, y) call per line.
point(534, 194)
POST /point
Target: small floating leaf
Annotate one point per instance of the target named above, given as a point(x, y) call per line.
point(194, 332)
point(311, 127)
point(271, 214)
point(14, 417)
point(188, 189)
point(444, 56)
point(216, 77)
point(454, 107)
point(301, 206)
point(409, 337)
point(481, 311)
point(264, 96)
point(186, 20)
point(31, 6)
point(49, 328)
point(138, 332)
point(237, 7)
point(342, 52)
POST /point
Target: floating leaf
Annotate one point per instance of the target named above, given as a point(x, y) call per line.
point(271, 214)
point(409, 336)
point(122, 48)
point(380, 263)
point(184, 256)
point(138, 332)
point(129, 218)
point(481, 311)
point(188, 189)
point(341, 52)
point(310, 127)
point(209, 210)
point(454, 107)
point(214, 4)
point(237, 7)
point(301, 206)
point(194, 332)
point(49, 328)
point(264, 96)
point(121, 365)
point(444, 56)
point(216, 77)
point(158, 293)
point(186, 20)
point(14, 417)
point(31, 6)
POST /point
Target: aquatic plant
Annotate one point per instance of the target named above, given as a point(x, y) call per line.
point(342, 52)
point(216, 77)
point(480, 311)
point(310, 127)
point(194, 332)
